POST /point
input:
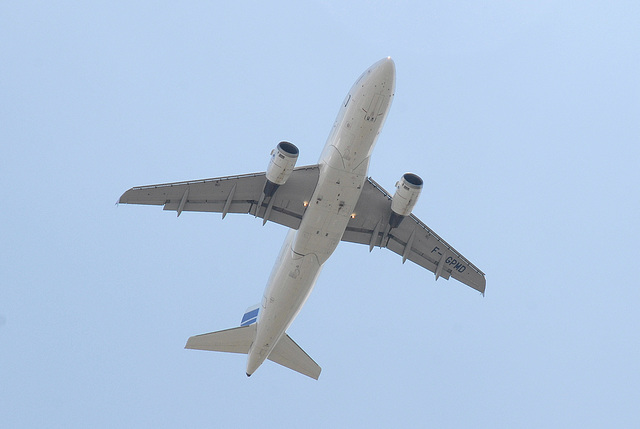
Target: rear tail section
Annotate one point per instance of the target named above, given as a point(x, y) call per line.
point(239, 340)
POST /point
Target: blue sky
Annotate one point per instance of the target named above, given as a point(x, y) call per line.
point(521, 117)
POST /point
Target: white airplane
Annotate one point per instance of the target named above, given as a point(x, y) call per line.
point(322, 204)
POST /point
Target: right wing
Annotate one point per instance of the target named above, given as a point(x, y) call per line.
point(233, 194)
point(412, 239)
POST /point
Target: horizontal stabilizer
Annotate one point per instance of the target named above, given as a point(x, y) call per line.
point(288, 353)
point(235, 340)
point(238, 340)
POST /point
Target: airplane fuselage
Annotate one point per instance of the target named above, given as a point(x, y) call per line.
point(343, 170)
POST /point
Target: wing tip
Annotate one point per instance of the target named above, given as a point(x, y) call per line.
point(482, 286)
point(123, 198)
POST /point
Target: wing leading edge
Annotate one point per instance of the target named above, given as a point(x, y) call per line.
point(233, 194)
point(412, 239)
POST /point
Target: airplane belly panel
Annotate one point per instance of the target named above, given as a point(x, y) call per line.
point(328, 213)
point(290, 284)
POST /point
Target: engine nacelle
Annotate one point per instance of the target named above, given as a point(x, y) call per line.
point(408, 190)
point(283, 160)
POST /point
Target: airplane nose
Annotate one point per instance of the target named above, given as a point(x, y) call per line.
point(387, 65)
point(384, 71)
point(384, 66)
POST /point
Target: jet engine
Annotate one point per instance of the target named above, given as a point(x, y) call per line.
point(283, 160)
point(405, 198)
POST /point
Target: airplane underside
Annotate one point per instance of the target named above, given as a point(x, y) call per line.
point(322, 205)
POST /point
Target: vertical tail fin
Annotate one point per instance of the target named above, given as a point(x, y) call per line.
point(250, 315)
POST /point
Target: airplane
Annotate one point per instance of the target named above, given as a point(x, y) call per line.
point(321, 205)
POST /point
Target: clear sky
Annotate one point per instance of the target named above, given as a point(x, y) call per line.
point(521, 117)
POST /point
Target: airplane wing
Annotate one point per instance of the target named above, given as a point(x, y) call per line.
point(233, 194)
point(412, 239)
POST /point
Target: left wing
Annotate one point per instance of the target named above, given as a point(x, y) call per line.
point(233, 194)
point(412, 239)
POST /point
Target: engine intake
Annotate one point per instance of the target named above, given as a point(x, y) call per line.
point(283, 160)
point(408, 190)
